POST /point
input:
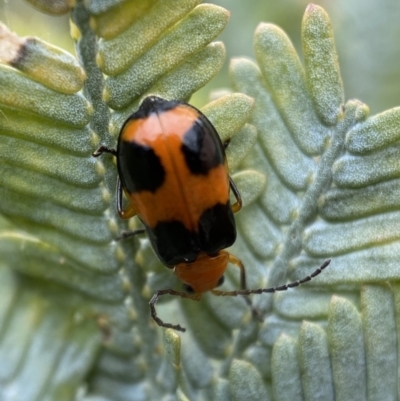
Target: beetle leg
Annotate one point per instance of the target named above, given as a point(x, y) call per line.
point(104, 149)
point(130, 210)
point(238, 205)
point(237, 262)
point(129, 234)
point(154, 299)
point(243, 285)
point(275, 289)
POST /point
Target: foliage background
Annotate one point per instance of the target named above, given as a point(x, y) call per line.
point(365, 35)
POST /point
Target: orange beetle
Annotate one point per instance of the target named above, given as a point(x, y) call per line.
point(173, 171)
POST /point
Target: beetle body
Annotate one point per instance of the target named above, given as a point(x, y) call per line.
point(173, 171)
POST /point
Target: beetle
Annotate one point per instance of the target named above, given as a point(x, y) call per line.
point(173, 171)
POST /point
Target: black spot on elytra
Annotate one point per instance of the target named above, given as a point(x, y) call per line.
point(173, 243)
point(202, 147)
point(140, 169)
point(217, 228)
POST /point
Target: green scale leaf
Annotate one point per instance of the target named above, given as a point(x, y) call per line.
point(334, 206)
point(34, 333)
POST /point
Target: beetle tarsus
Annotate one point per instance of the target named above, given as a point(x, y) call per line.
point(104, 149)
point(128, 234)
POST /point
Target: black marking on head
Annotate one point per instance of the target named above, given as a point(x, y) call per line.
point(140, 169)
point(202, 147)
point(217, 228)
point(173, 243)
point(154, 104)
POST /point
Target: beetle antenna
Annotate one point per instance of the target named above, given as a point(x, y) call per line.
point(274, 289)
